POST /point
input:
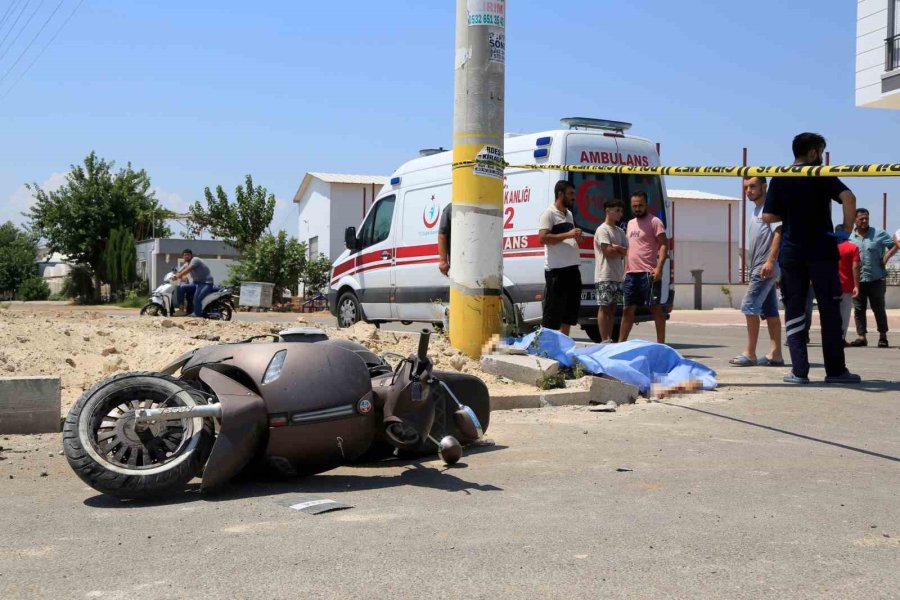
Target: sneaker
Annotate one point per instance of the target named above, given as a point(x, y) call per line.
point(883, 343)
point(845, 377)
point(791, 378)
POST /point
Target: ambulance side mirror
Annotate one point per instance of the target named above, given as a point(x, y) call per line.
point(350, 239)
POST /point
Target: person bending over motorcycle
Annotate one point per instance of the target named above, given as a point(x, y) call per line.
point(201, 282)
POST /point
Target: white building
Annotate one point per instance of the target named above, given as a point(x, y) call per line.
point(878, 53)
point(707, 231)
point(329, 203)
point(53, 268)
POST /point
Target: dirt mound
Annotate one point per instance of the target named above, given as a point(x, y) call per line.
point(85, 346)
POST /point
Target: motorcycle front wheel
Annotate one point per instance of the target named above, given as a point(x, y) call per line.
point(106, 452)
point(151, 309)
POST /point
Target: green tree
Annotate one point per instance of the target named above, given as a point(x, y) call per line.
point(273, 259)
point(78, 218)
point(316, 274)
point(18, 252)
point(120, 259)
point(78, 284)
point(33, 288)
point(240, 223)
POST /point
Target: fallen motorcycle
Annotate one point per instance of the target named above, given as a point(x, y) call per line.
point(298, 407)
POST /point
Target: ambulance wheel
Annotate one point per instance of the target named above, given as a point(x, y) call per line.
point(349, 311)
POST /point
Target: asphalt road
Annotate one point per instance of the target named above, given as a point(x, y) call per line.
point(756, 490)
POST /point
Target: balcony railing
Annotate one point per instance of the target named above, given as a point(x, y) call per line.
point(892, 53)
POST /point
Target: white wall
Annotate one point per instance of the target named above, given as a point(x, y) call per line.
point(701, 239)
point(714, 297)
point(315, 210)
point(346, 211)
point(709, 256)
point(871, 31)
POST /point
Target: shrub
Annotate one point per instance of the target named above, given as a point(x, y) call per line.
point(34, 288)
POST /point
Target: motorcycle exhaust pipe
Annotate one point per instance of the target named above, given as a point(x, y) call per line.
point(177, 413)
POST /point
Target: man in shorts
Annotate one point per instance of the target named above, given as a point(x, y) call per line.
point(610, 249)
point(761, 299)
point(648, 248)
point(560, 237)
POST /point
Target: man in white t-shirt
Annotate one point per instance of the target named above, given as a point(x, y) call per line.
point(560, 237)
point(610, 249)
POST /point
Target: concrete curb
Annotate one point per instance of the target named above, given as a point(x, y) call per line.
point(29, 405)
point(579, 392)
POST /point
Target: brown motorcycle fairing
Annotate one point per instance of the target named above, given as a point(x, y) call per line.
point(324, 392)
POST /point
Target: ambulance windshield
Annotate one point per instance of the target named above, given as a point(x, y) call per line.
point(593, 190)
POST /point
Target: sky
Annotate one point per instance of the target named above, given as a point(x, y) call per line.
point(201, 93)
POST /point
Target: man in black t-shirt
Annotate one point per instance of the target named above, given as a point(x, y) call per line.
point(809, 255)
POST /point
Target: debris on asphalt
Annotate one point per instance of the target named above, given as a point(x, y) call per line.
point(624, 470)
point(314, 505)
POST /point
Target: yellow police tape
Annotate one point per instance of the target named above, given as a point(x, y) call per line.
point(882, 170)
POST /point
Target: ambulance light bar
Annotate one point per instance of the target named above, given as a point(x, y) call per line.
point(587, 123)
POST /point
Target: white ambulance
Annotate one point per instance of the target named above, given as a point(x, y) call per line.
point(389, 271)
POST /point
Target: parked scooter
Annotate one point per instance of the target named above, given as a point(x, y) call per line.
point(218, 304)
point(294, 407)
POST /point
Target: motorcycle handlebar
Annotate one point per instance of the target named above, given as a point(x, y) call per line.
point(424, 338)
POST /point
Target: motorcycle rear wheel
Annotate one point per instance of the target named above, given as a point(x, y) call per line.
point(220, 311)
point(103, 449)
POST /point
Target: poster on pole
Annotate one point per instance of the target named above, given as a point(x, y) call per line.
point(489, 162)
point(497, 45)
point(487, 12)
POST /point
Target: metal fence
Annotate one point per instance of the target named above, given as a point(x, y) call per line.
point(892, 53)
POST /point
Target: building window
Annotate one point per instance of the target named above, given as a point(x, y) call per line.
point(893, 40)
point(313, 247)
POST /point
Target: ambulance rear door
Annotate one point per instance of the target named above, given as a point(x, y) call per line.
point(421, 289)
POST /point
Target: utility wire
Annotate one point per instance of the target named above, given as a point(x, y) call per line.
point(41, 53)
point(24, 27)
point(39, 32)
point(24, 6)
point(6, 14)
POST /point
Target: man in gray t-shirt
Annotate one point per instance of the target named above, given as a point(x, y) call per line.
point(201, 282)
point(610, 250)
point(761, 299)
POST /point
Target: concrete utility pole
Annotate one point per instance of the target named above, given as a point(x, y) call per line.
point(476, 242)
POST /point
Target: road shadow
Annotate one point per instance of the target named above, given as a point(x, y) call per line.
point(786, 432)
point(874, 386)
point(257, 484)
point(691, 346)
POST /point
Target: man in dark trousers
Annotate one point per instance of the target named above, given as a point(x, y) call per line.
point(560, 237)
point(809, 255)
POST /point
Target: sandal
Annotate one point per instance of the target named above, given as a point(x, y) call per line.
point(765, 361)
point(859, 342)
point(742, 361)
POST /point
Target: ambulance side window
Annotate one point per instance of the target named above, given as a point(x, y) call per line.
point(377, 226)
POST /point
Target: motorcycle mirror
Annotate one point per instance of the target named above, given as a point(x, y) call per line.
point(468, 423)
point(450, 450)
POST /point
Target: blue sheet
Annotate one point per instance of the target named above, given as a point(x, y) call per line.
point(636, 362)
